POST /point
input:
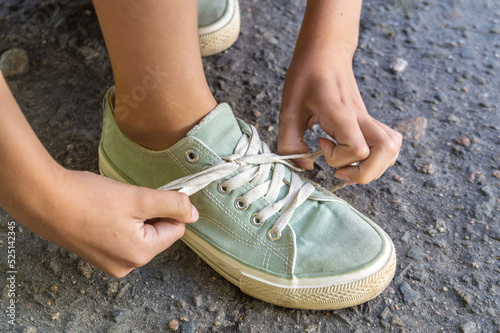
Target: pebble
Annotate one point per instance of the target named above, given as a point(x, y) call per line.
point(181, 303)
point(440, 225)
point(396, 321)
point(466, 297)
point(212, 308)
point(14, 62)
point(399, 65)
point(118, 315)
point(198, 300)
point(111, 288)
point(496, 173)
point(173, 325)
point(397, 178)
point(406, 237)
point(122, 291)
point(412, 128)
point(469, 327)
point(385, 313)
point(475, 176)
point(410, 296)
point(495, 30)
point(256, 113)
point(85, 268)
point(187, 327)
point(441, 97)
point(415, 253)
point(468, 53)
point(427, 168)
point(270, 38)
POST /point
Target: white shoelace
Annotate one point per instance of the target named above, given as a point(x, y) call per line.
point(254, 168)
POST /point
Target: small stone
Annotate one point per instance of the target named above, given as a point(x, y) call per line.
point(445, 289)
point(187, 327)
point(53, 288)
point(55, 316)
point(118, 315)
point(399, 65)
point(270, 38)
point(440, 225)
point(122, 291)
point(385, 313)
point(427, 168)
point(412, 128)
point(198, 300)
point(468, 53)
point(469, 327)
point(466, 297)
point(14, 62)
point(397, 178)
point(415, 253)
point(85, 268)
point(475, 176)
point(406, 237)
point(111, 288)
point(212, 308)
point(462, 140)
point(496, 173)
point(181, 303)
point(453, 119)
point(495, 30)
point(255, 113)
point(410, 296)
point(270, 128)
point(396, 321)
point(441, 97)
point(173, 325)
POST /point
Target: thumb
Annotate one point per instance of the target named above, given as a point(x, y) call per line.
point(291, 137)
point(166, 204)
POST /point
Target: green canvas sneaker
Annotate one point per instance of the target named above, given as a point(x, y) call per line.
point(218, 25)
point(276, 236)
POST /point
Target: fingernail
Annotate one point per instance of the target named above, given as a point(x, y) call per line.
point(194, 214)
point(342, 177)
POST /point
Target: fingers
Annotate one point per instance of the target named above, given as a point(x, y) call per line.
point(291, 136)
point(384, 146)
point(161, 235)
point(165, 204)
point(351, 144)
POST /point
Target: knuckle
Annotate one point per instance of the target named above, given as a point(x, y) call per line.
point(183, 205)
point(360, 151)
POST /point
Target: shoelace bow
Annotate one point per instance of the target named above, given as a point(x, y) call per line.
point(254, 168)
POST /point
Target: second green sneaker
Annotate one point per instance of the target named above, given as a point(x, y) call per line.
point(275, 235)
point(218, 25)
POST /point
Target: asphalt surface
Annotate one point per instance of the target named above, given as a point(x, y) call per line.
point(439, 203)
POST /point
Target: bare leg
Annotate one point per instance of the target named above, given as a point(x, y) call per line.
point(161, 90)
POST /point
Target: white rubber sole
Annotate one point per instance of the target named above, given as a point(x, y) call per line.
point(326, 293)
point(219, 36)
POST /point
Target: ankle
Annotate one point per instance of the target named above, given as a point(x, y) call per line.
point(157, 126)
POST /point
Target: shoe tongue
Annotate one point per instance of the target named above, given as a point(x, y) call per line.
point(219, 130)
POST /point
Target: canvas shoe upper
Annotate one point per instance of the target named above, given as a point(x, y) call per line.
point(275, 235)
point(218, 25)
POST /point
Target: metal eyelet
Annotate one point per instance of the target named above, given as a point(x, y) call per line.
point(222, 188)
point(192, 156)
point(240, 204)
point(272, 236)
point(256, 221)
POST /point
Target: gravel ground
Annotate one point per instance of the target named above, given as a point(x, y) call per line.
point(428, 68)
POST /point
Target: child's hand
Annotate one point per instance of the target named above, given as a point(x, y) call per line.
point(103, 221)
point(322, 88)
